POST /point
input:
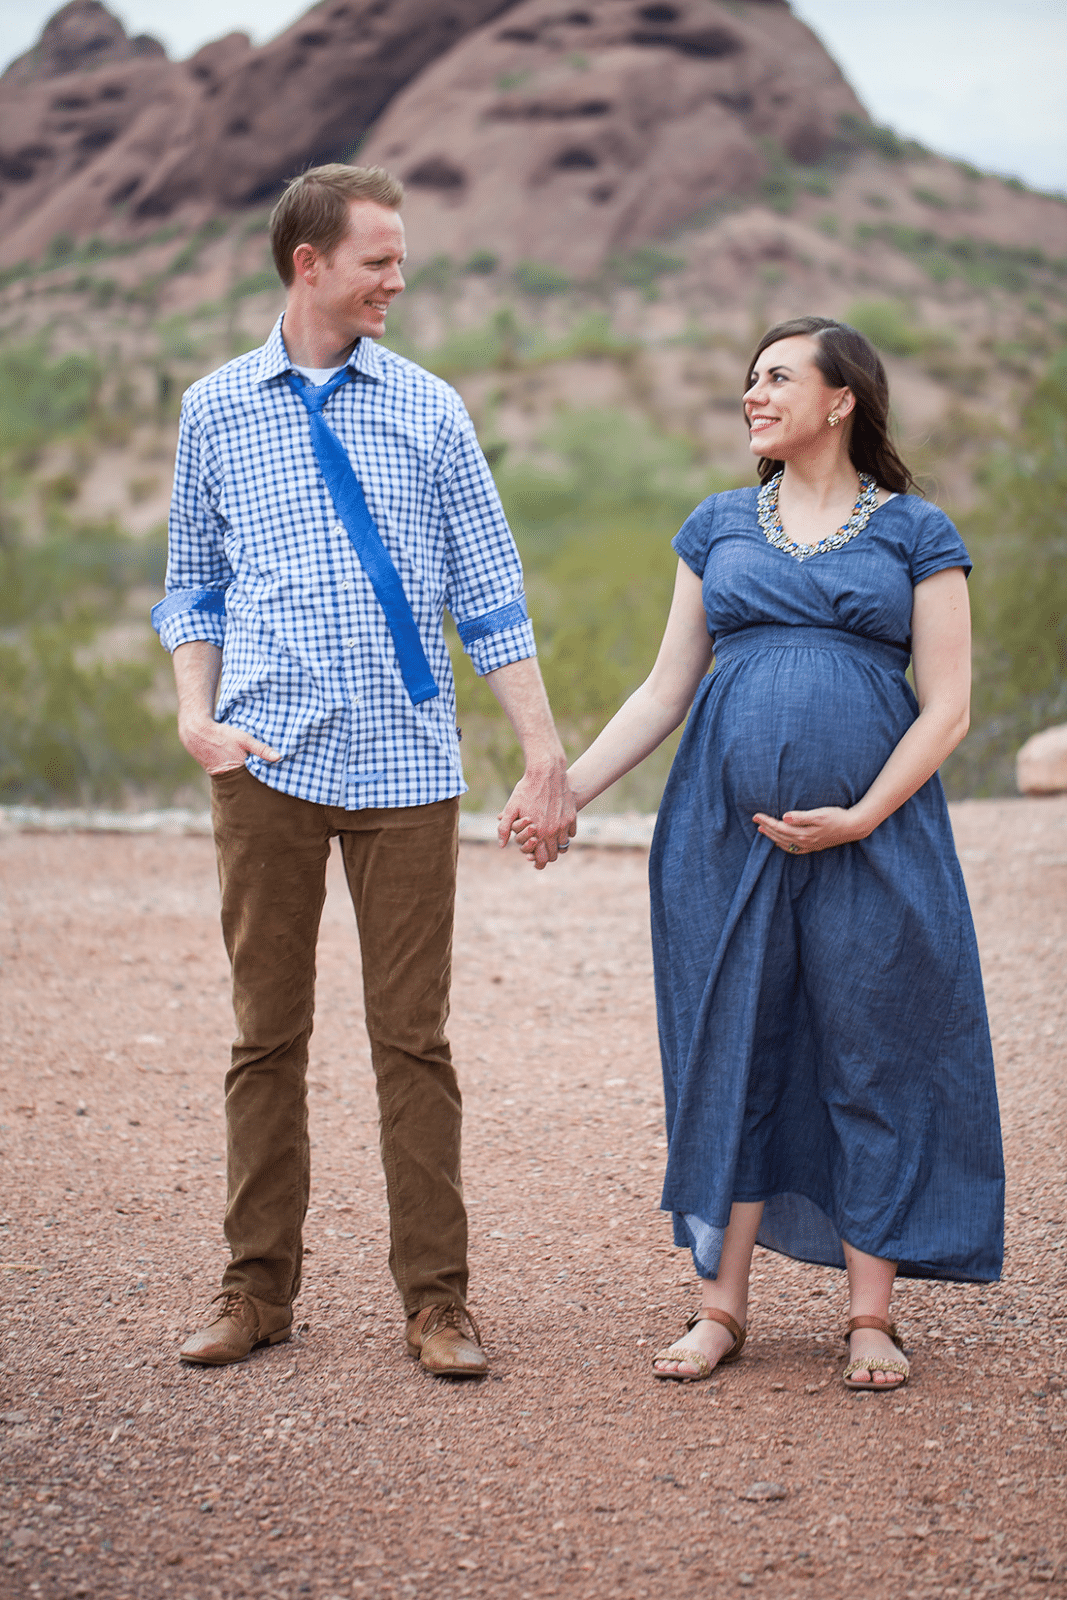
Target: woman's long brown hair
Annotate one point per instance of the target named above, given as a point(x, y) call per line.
point(848, 360)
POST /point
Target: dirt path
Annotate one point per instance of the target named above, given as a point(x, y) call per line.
point(333, 1466)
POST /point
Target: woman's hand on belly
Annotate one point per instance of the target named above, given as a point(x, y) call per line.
point(801, 833)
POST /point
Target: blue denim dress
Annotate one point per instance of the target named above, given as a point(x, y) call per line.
point(822, 1023)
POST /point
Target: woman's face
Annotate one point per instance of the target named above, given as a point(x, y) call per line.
point(788, 400)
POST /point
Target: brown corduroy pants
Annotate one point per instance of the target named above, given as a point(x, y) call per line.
point(401, 868)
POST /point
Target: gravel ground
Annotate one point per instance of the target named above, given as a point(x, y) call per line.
point(333, 1466)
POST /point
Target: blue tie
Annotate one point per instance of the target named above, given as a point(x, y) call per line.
point(362, 530)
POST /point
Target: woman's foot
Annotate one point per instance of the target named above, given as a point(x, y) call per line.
point(710, 1339)
point(883, 1358)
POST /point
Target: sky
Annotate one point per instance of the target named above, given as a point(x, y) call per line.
point(979, 79)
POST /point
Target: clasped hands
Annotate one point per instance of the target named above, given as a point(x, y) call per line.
point(543, 816)
point(543, 839)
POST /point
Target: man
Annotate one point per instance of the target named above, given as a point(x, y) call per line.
point(330, 501)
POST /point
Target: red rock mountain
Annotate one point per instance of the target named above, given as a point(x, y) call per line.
point(540, 129)
point(98, 130)
point(561, 133)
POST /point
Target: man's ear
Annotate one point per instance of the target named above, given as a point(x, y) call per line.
point(306, 260)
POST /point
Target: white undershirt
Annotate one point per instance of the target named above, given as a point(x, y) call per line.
point(317, 375)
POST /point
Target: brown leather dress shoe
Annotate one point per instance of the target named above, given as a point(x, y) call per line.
point(244, 1323)
point(435, 1336)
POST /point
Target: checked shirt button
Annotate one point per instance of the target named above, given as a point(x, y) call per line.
point(351, 643)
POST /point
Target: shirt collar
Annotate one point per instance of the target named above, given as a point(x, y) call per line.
point(274, 359)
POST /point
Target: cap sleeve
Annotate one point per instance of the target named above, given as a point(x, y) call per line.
point(937, 546)
point(693, 539)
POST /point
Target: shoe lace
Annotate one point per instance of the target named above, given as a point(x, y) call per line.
point(231, 1302)
point(451, 1316)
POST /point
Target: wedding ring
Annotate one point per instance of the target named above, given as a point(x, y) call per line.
point(794, 849)
point(562, 847)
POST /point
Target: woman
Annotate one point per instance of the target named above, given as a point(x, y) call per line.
point(827, 1064)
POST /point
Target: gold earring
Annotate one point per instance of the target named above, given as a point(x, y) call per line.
point(833, 419)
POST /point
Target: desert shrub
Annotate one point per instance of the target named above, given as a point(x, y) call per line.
point(482, 263)
point(1018, 538)
point(539, 279)
point(930, 197)
point(41, 399)
point(980, 262)
point(641, 268)
point(859, 135)
point(890, 328)
point(886, 326)
point(264, 282)
point(436, 274)
point(188, 257)
point(74, 732)
point(594, 526)
point(779, 183)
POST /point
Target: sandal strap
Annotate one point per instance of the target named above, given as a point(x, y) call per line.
point(712, 1314)
point(888, 1328)
point(690, 1358)
point(876, 1364)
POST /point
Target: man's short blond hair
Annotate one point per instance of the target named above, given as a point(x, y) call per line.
point(314, 208)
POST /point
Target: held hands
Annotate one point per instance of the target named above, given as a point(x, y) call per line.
point(219, 748)
point(801, 833)
point(542, 814)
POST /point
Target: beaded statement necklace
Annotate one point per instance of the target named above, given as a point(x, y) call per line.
point(769, 521)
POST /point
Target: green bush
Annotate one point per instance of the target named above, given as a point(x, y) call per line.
point(536, 278)
point(436, 274)
point(594, 533)
point(980, 262)
point(859, 135)
point(779, 183)
point(1018, 539)
point(42, 399)
point(264, 282)
point(930, 197)
point(641, 268)
point(482, 262)
point(75, 732)
point(888, 327)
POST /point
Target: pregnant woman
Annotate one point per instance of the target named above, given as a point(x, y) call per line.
point(826, 1057)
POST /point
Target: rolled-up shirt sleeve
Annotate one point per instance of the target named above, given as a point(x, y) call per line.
point(485, 587)
point(198, 573)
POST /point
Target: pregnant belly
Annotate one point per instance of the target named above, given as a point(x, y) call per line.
point(802, 727)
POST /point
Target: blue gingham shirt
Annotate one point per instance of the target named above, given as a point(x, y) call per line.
point(260, 564)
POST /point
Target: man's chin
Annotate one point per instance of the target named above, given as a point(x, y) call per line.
point(371, 328)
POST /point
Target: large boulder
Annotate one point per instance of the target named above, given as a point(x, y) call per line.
point(1041, 765)
point(562, 133)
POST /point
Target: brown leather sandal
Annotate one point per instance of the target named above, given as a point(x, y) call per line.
point(694, 1358)
point(872, 1365)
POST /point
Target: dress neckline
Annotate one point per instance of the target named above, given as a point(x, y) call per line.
point(769, 520)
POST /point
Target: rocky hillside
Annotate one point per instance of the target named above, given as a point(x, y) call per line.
point(560, 132)
point(606, 205)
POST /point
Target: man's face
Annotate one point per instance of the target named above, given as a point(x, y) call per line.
point(356, 285)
